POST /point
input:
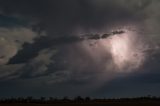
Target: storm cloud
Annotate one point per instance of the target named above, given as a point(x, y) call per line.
point(59, 41)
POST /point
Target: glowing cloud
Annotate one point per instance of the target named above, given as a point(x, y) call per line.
point(119, 52)
point(126, 50)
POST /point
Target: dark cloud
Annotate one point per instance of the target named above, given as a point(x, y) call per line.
point(31, 50)
point(50, 45)
point(8, 21)
point(61, 17)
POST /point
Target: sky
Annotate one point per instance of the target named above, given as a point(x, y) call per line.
point(96, 48)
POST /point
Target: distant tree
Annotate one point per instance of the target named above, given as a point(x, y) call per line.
point(20, 99)
point(65, 98)
point(42, 99)
point(29, 99)
point(51, 99)
point(87, 99)
point(79, 99)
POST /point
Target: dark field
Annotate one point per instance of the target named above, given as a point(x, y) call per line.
point(79, 101)
point(86, 104)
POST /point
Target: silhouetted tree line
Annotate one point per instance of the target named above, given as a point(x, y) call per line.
point(77, 99)
point(30, 99)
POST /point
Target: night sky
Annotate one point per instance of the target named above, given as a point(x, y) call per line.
point(96, 48)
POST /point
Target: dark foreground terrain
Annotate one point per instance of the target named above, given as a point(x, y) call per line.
point(79, 101)
point(109, 103)
point(86, 104)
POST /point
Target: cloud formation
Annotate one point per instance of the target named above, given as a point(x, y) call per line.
point(70, 51)
point(12, 40)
